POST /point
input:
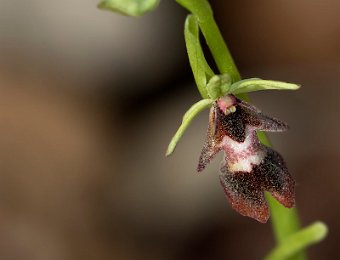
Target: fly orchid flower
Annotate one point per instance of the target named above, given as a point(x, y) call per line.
point(249, 167)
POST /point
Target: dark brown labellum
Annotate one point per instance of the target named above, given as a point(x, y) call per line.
point(249, 167)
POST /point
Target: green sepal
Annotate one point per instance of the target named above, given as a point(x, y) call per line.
point(129, 7)
point(200, 68)
point(256, 84)
point(218, 85)
point(296, 242)
point(193, 111)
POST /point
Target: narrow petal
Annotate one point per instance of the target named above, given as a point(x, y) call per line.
point(257, 119)
point(210, 148)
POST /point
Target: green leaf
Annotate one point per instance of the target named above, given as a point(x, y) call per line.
point(187, 118)
point(288, 225)
point(200, 68)
point(256, 84)
point(298, 241)
point(129, 7)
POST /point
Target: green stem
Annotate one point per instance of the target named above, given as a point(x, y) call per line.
point(285, 221)
point(204, 15)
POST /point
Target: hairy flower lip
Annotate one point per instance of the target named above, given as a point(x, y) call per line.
point(249, 168)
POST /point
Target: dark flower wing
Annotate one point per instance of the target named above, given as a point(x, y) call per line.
point(210, 148)
point(260, 121)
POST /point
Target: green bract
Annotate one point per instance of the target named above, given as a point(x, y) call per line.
point(298, 241)
point(200, 68)
point(129, 7)
point(187, 118)
point(256, 84)
point(218, 85)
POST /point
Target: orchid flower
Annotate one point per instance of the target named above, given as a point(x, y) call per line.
point(249, 167)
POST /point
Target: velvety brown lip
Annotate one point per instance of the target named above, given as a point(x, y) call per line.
point(259, 168)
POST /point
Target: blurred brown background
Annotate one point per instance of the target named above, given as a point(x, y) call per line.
point(90, 99)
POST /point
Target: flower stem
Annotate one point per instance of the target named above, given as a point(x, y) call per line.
point(204, 15)
point(285, 221)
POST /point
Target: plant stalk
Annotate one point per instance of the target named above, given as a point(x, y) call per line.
point(285, 221)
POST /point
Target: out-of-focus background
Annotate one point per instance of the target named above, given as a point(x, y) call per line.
point(89, 101)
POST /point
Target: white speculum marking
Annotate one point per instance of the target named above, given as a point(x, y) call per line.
point(242, 156)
